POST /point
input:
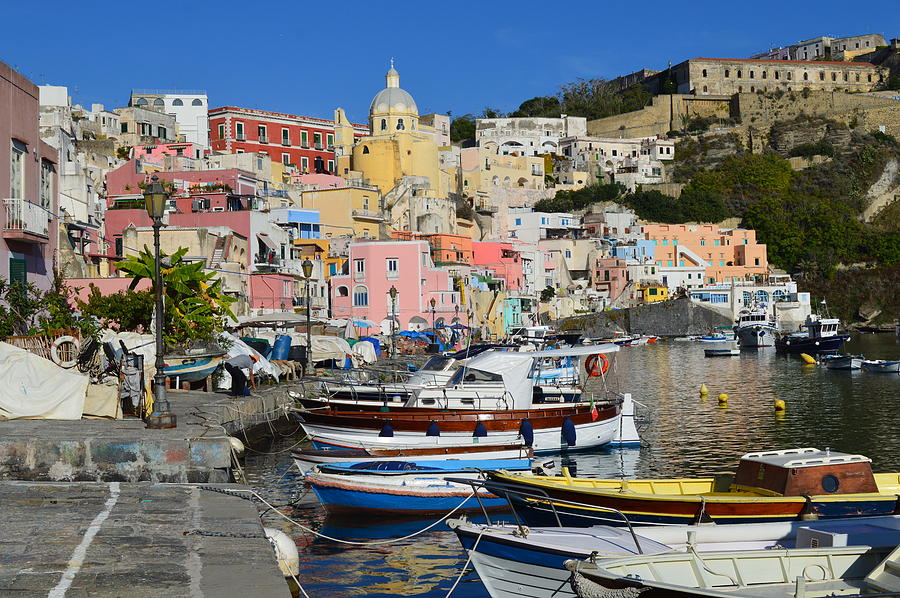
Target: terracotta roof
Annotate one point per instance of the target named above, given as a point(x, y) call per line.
point(809, 62)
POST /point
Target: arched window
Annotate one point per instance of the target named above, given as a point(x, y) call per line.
point(141, 102)
point(360, 296)
point(384, 124)
point(197, 102)
point(177, 102)
point(158, 102)
point(365, 149)
point(343, 291)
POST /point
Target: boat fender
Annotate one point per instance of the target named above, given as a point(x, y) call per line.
point(526, 431)
point(236, 445)
point(596, 365)
point(55, 350)
point(480, 431)
point(285, 551)
point(568, 432)
point(433, 429)
point(386, 431)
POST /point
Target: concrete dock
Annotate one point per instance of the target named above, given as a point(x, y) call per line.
point(198, 450)
point(132, 539)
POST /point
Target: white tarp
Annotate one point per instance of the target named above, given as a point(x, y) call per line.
point(36, 388)
point(365, 351)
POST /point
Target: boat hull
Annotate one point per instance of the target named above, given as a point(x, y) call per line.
point(756, 336)
point(828, 344)
point(677, 509)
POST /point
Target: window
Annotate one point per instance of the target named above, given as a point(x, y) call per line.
point(221, 130)
point(384, 124)
point(360, 296)
point(261, 132)
point(46, 184)
point(393, 268)
point(285, 159)
point(239, 131)
point(196, 102)
point(304, 139)
point(285, 136)
point(17, 170)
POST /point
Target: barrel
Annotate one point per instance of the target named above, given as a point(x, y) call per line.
point(282, 347)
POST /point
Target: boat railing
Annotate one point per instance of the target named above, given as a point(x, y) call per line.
point(537, 494)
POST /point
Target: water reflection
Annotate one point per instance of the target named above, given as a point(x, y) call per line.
point(689, 435)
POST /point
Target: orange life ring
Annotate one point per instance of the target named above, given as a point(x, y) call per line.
point(594, 366)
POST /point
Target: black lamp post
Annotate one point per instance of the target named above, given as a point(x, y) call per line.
point(307, 266)
point(155, 197)
point(393, 294)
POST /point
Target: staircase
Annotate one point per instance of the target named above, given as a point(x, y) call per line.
point(886, 576)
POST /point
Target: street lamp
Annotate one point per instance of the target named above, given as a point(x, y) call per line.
point(307, 266)
point(393, 294)
point(155, 197)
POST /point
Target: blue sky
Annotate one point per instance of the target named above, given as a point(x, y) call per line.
point(309, 57)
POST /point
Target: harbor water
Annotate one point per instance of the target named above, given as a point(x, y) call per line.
point(685, 435)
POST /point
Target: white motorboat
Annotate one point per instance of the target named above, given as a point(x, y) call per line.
point(513, 561)
point(881, 366)
point(756, 328)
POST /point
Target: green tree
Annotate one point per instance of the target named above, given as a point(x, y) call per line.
point(196, 307)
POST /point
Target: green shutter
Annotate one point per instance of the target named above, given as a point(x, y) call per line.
point(17, 270)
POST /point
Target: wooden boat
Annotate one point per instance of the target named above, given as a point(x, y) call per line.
point(553, 429)
point(768, 486)
point(513, 562)
point(723, 352)
point(842, 362)
point(776, 573)
point(413, 490)
point(880, 366)
point(306, 459)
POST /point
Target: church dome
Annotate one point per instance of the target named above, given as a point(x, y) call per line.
point(392, 99)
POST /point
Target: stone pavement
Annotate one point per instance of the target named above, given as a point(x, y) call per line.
point(124, 450)
point(135, 540)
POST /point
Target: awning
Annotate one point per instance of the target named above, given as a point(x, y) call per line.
point(267, 241)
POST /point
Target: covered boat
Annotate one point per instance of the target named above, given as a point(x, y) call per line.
point(768, 486)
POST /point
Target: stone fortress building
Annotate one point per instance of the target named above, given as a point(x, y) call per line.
point(727, 76)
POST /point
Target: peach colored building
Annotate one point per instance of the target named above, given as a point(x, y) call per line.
point(731, 254)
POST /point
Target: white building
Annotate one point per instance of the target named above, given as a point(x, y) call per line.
point(527, 136)
point(631, 161)
point(189, 107)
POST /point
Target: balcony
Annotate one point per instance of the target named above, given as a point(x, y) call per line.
point(370, 215)
point(26, 222)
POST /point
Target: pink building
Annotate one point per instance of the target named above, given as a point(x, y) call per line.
point(501, 258)
point(375, 267)
point(610, 276)
point(28, 180)
point(731, 254)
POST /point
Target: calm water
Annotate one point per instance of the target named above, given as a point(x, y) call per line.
point(847, 411)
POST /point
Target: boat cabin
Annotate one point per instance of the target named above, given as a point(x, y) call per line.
point(796, 472)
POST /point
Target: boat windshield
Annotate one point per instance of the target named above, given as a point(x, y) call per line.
point(438, 363)
point(473, 375)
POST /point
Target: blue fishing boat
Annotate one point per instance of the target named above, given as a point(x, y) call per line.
point(821, 336)
point(405, 488)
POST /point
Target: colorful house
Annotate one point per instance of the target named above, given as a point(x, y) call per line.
point(374, 267)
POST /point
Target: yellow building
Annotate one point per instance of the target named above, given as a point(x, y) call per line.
point(398, 145)
point(347, 211)
point(652, 293)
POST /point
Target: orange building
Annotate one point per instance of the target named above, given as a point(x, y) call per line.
point(446, 249)
point(731, 254)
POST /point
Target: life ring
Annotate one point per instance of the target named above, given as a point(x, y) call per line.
point(594, 366)
point(55, 351)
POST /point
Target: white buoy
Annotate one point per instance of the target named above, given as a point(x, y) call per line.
point(236, 445)
point(285, 551)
